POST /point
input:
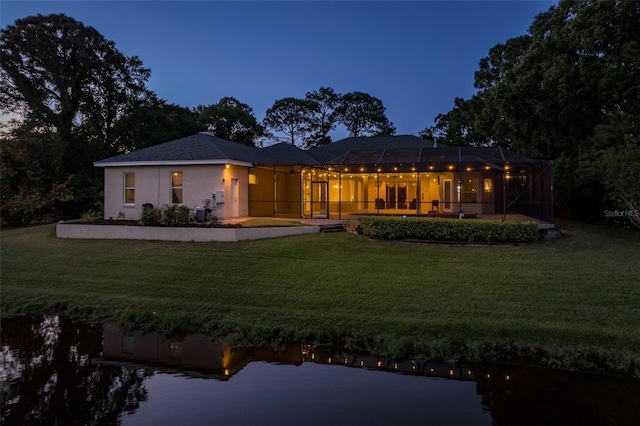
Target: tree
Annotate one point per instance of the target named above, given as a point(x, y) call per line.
point(29, 190)
point(64, 77)
point(153, 122)
point(363, 114)
point(460, 126)
point(620, 170)
point(566, 91)
point(323, 117)
point(290, 117)
point(233, 120)
point(57, 71)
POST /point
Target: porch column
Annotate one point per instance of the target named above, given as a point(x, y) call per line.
point(365, 195)
point(418, 195)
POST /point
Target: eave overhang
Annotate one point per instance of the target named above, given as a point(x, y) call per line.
point(170, 163)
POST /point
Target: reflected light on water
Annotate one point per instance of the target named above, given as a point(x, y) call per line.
point(54, 371)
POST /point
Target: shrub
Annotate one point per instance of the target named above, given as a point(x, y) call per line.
point(439, 229)
point(175, 214)
point(151, 216)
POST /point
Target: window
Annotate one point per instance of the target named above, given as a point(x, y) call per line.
point(253, 179)
point(176, 187)
point(469, 190)
point(129, 188)
point(487, 190)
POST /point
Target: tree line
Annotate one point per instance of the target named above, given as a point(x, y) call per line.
point(79, 100)
point(305, 122)
point(567, 91)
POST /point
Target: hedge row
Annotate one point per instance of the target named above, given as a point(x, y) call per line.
point(439, 229)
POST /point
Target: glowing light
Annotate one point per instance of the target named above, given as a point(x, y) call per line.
point(508, 377)
point(361, 363)
point(226, 371)
point(451, 372)
point(226, 166)
point(379, 363)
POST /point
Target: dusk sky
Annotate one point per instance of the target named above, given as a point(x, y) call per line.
point(415, 56)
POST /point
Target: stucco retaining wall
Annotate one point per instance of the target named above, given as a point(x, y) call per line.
point(122, 232)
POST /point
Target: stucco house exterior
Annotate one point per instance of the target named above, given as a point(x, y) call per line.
point(402, 174)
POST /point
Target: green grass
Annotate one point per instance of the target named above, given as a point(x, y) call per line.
point(572, 302)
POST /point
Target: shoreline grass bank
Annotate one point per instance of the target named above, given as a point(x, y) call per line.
point(572, 303)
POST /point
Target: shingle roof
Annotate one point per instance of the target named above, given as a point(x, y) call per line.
point(284, 153)
point(204, 147)
point(330, 152)
point(199, 147)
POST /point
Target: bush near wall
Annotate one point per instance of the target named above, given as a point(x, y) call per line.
point(440, 229)
point(171, 215)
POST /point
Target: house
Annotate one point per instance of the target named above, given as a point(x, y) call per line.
point(403, 174)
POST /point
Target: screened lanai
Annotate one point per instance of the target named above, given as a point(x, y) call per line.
point(436, 181)
point(404, 175)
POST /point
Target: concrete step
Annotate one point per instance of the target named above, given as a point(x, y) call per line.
point(337, 227)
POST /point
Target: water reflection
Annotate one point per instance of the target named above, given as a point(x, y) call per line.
point(58, 372)
point(48, 378)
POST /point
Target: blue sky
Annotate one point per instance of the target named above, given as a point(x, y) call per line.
point(415, 56)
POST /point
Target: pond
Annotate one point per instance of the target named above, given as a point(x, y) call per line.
point(55, 371)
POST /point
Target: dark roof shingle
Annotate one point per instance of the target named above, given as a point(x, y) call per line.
point(204, 147)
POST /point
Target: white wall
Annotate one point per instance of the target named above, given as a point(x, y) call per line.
point(153, 185)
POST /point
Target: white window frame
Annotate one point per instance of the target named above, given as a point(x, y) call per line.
point(129, 188)
point(181, 186)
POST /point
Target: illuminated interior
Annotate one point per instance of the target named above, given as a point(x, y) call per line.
point(439, 181)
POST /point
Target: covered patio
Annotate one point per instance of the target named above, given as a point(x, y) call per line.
point(435, 181)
